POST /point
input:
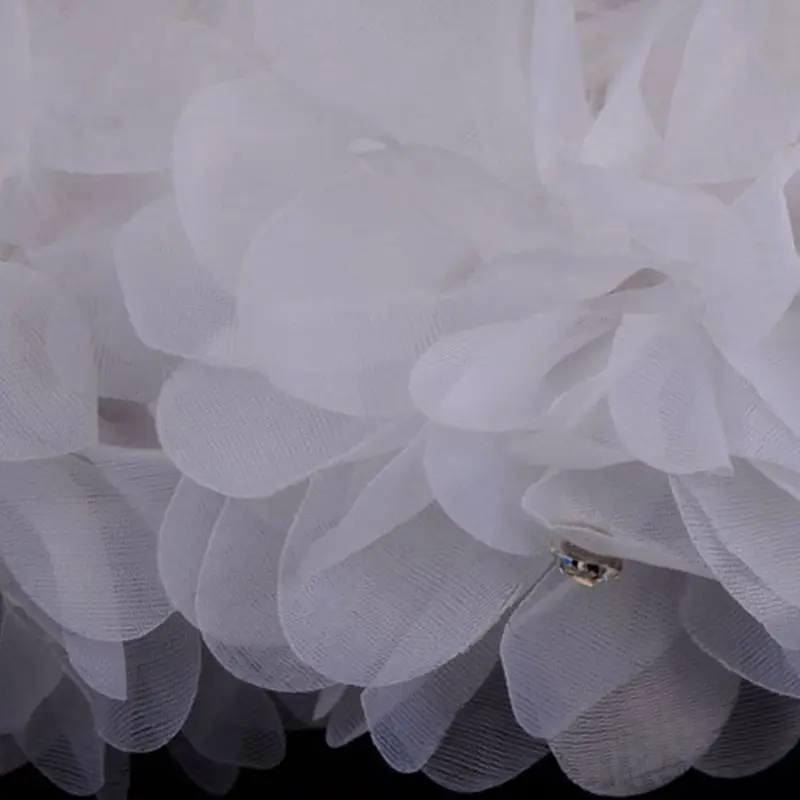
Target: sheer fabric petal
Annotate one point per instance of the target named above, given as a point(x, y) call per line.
point(347, 720)
point(234, 432)
point(408, 721)
point(157, 267)
point(83, 551)
point(163, 670)
point(245, 150)
point(49, 387)
point(652, 729)
point(780, 618)
point(613, 635)
point(762, 729)
point(484, 746)
point(233, 722)
point(237, 589)
point(62, 742)
point(400, 607)
point(480, 486)
point(722, 629)
point(372, 58)
point(216, 779)
point(755, 520)
point(29, 668)
point(626, 511)
point(183, 541)
point(343, 328)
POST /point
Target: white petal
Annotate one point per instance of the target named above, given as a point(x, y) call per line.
point(566, 648)
point(624, 133)
point(183, 540)
point(233, 722)
point(100, 664)
point(626, 511)
point(728, 114)
point(84, 265)
point(763, 728)
point(651, 730)
point(237, 608)
point(80, 549)
point(561, 113)
point(233, 432)
point(358, 303)
point(163, 668)
point(62, 743)
point(780, 618)
point(243, 151)
point(480, 487)
point(216, 779)
point(773, 368)
point(485, 745)
point(664, 404)
point(755, 520)
point(472, 379)
point(172, 302)
point(146, 478)
point(395, 496)
point(15, 68)
point(48, 388)
point(408, 721)
point(723, 630)
point(347, 720)
point(497, 218)
point(741, 312)
point(398, 608)
point(29, 667)
point(753, 430)
point(373, 57)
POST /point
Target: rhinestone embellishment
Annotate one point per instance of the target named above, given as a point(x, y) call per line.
point(583, 566)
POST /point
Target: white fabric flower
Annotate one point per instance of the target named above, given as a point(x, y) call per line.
point(322, 322)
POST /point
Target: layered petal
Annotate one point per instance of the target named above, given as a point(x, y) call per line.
point(49, 386)
point(373, 57)
point(234, 432)
point(84, 550)
point(651, 730)
point(480, 486)
point(627, 511)
point(484, 746)
point(408, 721)
point(344, 324)
point(565, 649)
point(400, 607)
point(237, 588)
point(762, 729)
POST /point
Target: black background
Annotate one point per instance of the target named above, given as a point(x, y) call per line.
point(311, 770)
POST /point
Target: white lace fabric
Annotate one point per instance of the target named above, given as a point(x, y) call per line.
point(321, 321)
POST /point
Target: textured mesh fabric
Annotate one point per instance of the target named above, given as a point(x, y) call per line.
point(321, 323)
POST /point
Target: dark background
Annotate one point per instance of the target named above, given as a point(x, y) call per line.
point(311, 770)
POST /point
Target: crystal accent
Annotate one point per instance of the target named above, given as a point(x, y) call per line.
point(583, 566)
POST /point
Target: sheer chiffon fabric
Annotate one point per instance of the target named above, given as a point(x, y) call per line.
point(322, 322)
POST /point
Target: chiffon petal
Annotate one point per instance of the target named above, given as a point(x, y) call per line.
point(620, 630)
point(237, 594)
point(49, 386)
point(651, 730)
point(400, 607)
point(232, 431)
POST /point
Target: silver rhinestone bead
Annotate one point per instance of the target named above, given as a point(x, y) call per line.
point(583, 566)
